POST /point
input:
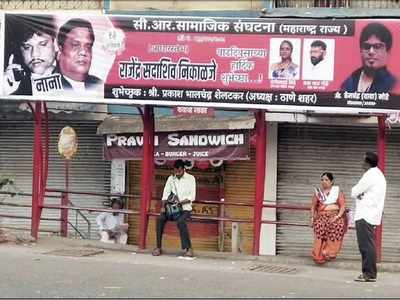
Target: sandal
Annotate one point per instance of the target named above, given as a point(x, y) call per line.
point(156, 252)
point(188, 253)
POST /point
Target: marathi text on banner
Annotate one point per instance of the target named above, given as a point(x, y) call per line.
point(272, 63)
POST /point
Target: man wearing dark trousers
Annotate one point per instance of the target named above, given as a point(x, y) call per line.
point(370, 194)
point(183, 185)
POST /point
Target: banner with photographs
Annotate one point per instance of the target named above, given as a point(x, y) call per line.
point(340, 65)
point(190, 145)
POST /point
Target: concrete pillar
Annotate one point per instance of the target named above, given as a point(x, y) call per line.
point(268, 231)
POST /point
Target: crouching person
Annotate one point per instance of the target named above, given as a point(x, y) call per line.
point(179, 193)
point(111, 225)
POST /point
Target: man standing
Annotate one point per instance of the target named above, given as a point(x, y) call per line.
point(30, 39)
point(111, 225)
point(373, 76)
point(316, 66)
point(183, 185)
point(370, 194)
point(75, 42)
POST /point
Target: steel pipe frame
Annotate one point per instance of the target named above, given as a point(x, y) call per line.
point(261, 144)
point(40, 163)
point(147, 172)
point(40, 172)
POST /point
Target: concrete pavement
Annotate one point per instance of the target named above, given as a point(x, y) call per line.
point(32, 271)
point(340, 263)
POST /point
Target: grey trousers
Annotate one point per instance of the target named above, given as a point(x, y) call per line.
point(366, 245)
point(181, 223)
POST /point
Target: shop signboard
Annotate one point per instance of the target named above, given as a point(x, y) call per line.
point(187, 145)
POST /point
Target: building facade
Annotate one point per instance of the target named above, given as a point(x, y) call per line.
point(299, 146)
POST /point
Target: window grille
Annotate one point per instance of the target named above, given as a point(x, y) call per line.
point(337, 3)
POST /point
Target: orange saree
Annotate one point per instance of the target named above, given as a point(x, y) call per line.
point(328, 229)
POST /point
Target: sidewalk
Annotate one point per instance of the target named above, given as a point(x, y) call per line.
point(59, 242)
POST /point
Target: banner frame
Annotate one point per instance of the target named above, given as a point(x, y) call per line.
point(225, 105)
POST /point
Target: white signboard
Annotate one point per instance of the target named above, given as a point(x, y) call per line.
point(118, 176)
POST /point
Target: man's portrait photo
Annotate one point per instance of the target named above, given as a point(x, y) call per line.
point(30, 53)
point(75, 41)
point(56, 55)
point(284, 59)
point(318, 59)
point(373, 76)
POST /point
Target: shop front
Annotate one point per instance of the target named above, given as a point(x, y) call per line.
point(87, 171)
point(153, 61)
point(307, 146)
point(220, 156)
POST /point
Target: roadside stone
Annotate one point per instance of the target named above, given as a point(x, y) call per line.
point(8, 236)
point(2, 236)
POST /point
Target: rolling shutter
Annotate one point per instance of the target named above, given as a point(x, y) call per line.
point(204, 233)
point(240, 187)
point(391, 219)
point(304, 152)
point(88, 171)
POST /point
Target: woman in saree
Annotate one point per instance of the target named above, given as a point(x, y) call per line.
point(328, 220)
point(286, 68)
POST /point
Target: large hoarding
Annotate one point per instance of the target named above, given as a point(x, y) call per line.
point(340, 65)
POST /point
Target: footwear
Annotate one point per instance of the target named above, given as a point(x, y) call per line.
point(188, 253)
point(362, 278)
point(156, 252)
point(319, 262)
point(329, 258)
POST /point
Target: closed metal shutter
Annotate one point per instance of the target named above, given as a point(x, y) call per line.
point(391, 219)
point(88, 171)
point(304, 152)
point(240, 188)
point(204, 233)
point(134, 171)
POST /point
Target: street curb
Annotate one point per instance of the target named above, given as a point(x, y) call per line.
point(279, 259)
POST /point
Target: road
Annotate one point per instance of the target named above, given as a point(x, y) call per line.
point(29, 271)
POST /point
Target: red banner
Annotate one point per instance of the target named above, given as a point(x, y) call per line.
point(340, 65)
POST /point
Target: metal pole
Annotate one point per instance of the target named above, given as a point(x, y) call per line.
point(65, 202)
point(151, 160)
point(46, 152)
point(37, 170)
point(381, 165)
point(221, 213)
point(147, 171)
point(261, 133)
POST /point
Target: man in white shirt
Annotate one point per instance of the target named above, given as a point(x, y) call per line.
point(370, 194)
point(183, 185)
point(75, 40)
point(317, 66)
point(111, 225)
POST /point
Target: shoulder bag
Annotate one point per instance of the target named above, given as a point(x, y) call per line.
point(173, 208)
